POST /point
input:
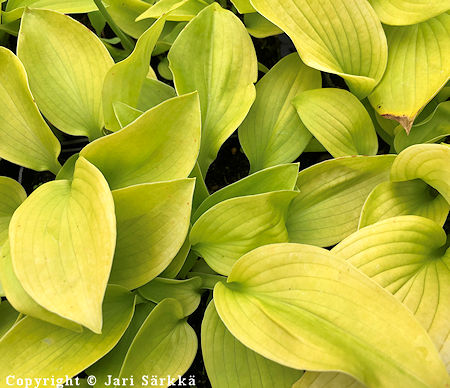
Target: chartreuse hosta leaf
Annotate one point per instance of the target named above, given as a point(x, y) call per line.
point(12, 194)
point(332, 194)
point(35, 348)
point(272, 133)
point(125, 114)
point(8, 317)
point(112, 362)
point(343, 37)
point(164, 345)
point(390, 199)
point(243, 6)
point(14, 8)
point(433, 129)
point(62, 245)
point(162, 144)
point(338, 120)
point(153, 92)
point(176, 10)
point(306, 308)
point(66, 70)
point(178, 261)
point(231, 364)
point(282, 177)
point(152, 224)
point(429, 162)
point(187, 292)
point(417, 69)
point(236, 226)
point(403, 12)
point(218, 38)
point(20, 299)
point(123, 82)
point(405, 255)
point(25, 138)
point(259, 27)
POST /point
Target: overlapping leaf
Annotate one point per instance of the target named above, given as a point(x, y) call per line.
point(62, 245)
point(418, 67)
point(215, 37)
point(37, 348)
point(338, 120)
point(259, 27)
point(12, 195)
point(231, 364)
point(162, 144)
point(152, 224)
point(243, 6)
point(25, 138)
point(343, 37)
point(124, 14)
point(66, 70)
point(332, 194)
point(305, 308)
point(124, 81)
point(403, 12)
point(236, 226)
point(153, 92)
point(8, 317)
point(165, 345)
point(272, 133)
point(176, 10)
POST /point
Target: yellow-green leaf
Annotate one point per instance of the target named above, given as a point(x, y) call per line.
point(25, 138)
point(125, 114)
point(153, 92)
point(161, 145)
point(164, 345)
point(231, 364)
point(282, 177)
point(8, 317)
point(391, 199)
point(259, 27)
point(272, 132)
point(243, 6)
point(124, 81)
point(305, 308)
point(66, 70)
point(187, 292)
point(176, 10)
point(332, 194)
point(429, 162)
point(338, 120)
point(218, 38)
point(62, 245)
point(152, 224)
point(236, 226)
point(403, 12)
point(418, 67)
point(408, 256)
point(36, 348)
point(12, 194)
point(343, 37)
point(19, 298)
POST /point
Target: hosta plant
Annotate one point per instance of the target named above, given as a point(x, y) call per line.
point(323, 262)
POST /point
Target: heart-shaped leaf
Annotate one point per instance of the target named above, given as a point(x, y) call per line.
point(152, 224)
point(66, 70)
point(332, 194)
point(231, 364)
point(123, 82)
point(272, 133)
point(403, 12)
point(343, 37)
point(164, 346)
point(338, 120)
point(429, 162)
point(217, 37)
point(418, 67)
point(157, 150)
point(62, 245)
point(25, 138)
point(282, 177)
point(12, 194)
point(37, 348)
point(236, 226)
point(305, 308)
